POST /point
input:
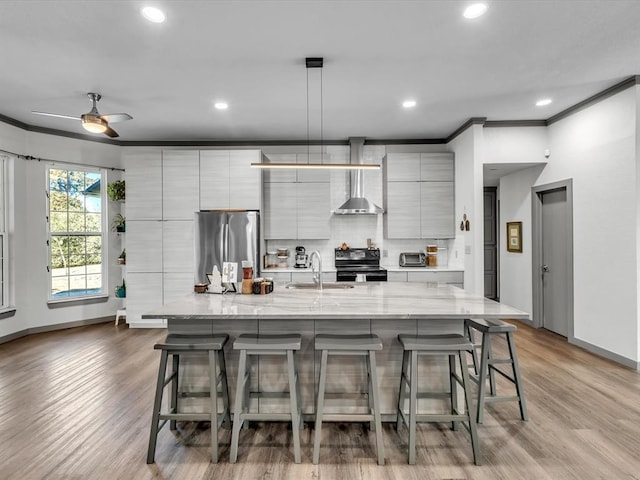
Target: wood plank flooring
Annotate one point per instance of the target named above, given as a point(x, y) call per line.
point(76, 404)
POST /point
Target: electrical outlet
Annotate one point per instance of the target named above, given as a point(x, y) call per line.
point(467, 249)
point(385, 253)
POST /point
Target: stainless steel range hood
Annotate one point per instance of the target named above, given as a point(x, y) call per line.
point(357, 204)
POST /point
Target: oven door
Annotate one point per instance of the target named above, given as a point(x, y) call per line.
point(369, 276)
point(345, 276)
point(378, 276)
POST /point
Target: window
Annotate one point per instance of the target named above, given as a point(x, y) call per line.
point(76, 232)
point(4, 240)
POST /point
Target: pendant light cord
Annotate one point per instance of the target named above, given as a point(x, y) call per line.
point(308, 144)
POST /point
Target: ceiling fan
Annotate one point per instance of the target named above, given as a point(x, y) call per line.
point(92, 121)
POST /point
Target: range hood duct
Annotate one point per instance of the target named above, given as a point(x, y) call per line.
point(357, 204)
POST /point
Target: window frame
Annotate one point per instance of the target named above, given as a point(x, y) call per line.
point(5, 254)
point(104, 272)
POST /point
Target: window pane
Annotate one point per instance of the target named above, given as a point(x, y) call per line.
point(94, 222)
point(76, 222)
point(58, 201)
point(59, 222)
point(94, 244)
point(77, 264)
point(57, 180)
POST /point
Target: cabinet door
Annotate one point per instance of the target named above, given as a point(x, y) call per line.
point(244, 181)
point(403, 210)
point(143, 176)
point(397, 276)
point(403, 167)
point(280, 217)
point(175, 286)
point(144, 294)
point(214, 179)
point(180, 184)
point(436, 167)
point(314, 210)
point(178, 247)
point(436, 277)
point(437, 212)
point(144, 246)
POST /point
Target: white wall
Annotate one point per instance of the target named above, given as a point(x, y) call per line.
point(469, 245)
point(596, 147)
point(29, 281)
point(515, 144)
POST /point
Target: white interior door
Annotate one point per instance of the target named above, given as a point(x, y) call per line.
point(556, 254)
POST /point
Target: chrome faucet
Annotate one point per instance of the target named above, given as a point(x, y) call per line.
point(317, 276)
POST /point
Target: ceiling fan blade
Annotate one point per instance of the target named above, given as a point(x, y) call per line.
point(110, 132)
point(70, 117)
point(116, 117)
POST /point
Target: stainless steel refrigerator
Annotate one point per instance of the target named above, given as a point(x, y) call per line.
point(226, 236)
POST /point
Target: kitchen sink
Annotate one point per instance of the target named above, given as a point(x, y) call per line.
point(315, 286)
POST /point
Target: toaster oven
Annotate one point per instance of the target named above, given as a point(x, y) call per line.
point(413, 259)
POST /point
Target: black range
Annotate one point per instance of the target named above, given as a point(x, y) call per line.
point(352, 262)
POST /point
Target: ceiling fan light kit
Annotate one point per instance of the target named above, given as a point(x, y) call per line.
point(92, 121)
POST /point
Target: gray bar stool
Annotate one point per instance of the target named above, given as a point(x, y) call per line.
point(177, 345)
point(489, 329)
point(443, 345)
point(365, 345)
point(252, 344)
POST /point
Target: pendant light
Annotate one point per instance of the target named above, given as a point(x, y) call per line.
point(316, 62)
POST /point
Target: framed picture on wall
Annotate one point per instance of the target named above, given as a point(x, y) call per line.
point(514, 237)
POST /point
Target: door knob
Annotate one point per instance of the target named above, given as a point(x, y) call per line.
point(545, 268)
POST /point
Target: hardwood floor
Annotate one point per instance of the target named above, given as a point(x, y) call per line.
point(76, 404)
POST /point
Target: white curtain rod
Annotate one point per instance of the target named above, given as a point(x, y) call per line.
point(29, 157)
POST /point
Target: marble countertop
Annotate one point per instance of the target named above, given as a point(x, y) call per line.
point(367, 300)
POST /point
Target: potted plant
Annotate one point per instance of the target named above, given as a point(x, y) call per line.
point(118, 223)
point(115, 190)
point(121, 290)
point(122, 259)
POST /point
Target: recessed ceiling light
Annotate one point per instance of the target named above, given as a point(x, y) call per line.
point(153, 14)
point(543, 102)
point(474, 11)
point(221, 105)
point(409, 103)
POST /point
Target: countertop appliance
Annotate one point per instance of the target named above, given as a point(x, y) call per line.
point(413, 259)
point(359, 264)
point(226, 236)
point(302, 259)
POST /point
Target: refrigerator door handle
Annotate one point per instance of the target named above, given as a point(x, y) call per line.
point(225, 242)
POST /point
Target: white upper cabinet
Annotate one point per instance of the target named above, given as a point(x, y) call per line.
point(143, 175)
point(419, 196)
point(214, 180)
point(244, 181)
point(280, 217)
point(227, 180)
point(180, 184)
point(314, 210)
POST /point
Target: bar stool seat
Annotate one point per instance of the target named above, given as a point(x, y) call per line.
point(451, 346)
point(266, 344)
point(487, 366)
point(174, 346)
point(366, 345)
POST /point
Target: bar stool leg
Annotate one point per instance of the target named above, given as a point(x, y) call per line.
point(174, 389)
point(473, 431)
point(413, 406)
point(225, 389)
point(238, 410)
point(401, 391)
point(373, 393)
point(213, 397)
point(320, 407)
point(492, 374)
point(474, 352)
point(293, 399)
point(155, 418)
point(482, 376)
point(453, 385)
point(517, 377)
point(372, 423)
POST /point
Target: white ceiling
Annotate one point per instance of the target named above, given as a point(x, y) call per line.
point(251, 54)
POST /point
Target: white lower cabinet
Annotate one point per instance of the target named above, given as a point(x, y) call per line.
point(177, 247)
point(144, 294)
point(176, 286)
point(278, 277)
point(144, 246)
point(396, 276)
point(451, 278)
point(297, 277)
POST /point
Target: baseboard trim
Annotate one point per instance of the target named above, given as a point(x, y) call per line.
point(601, 352)
point(51, 328)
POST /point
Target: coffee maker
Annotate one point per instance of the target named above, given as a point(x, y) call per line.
point(302, 259)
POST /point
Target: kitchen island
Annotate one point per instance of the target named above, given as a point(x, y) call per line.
point(385, 308)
